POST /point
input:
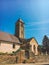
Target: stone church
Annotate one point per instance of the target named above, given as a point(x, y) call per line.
point(11, 43)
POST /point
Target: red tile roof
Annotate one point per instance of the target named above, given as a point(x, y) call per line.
point(8, 37)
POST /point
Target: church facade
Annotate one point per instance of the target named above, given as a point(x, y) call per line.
point(11, 43)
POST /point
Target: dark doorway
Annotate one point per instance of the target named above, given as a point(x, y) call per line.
point(16, 59)
point(27, 54)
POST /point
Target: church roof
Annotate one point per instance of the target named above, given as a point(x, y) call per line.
point(31, 39)
point(27, 40)
point(8, 37)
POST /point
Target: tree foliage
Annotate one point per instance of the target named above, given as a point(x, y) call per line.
point(45, 43)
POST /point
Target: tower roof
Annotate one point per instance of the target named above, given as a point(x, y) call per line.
point(19, 20)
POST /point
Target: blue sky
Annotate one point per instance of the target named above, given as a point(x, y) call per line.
point(34, 13)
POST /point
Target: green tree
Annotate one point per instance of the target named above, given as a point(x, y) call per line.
point(45, 43)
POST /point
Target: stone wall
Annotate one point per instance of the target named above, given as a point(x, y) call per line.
point(7, 47)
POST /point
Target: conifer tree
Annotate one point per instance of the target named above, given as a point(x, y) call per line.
point(45, 43)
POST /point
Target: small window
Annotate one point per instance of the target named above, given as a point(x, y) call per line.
point(22, 32)
point(13, 45)
point(22, 25)
point(0, 43)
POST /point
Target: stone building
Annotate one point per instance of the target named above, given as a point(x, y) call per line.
point(19, 32)
point(11, 43)
point(8, 43)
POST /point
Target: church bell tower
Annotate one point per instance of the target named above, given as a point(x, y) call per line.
point(19, 29)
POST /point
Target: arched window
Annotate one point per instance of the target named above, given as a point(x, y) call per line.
point(34, 48)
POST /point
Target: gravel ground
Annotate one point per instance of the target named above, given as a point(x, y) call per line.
point(28, 64)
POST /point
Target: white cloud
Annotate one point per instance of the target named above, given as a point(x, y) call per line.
point(37, 23)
